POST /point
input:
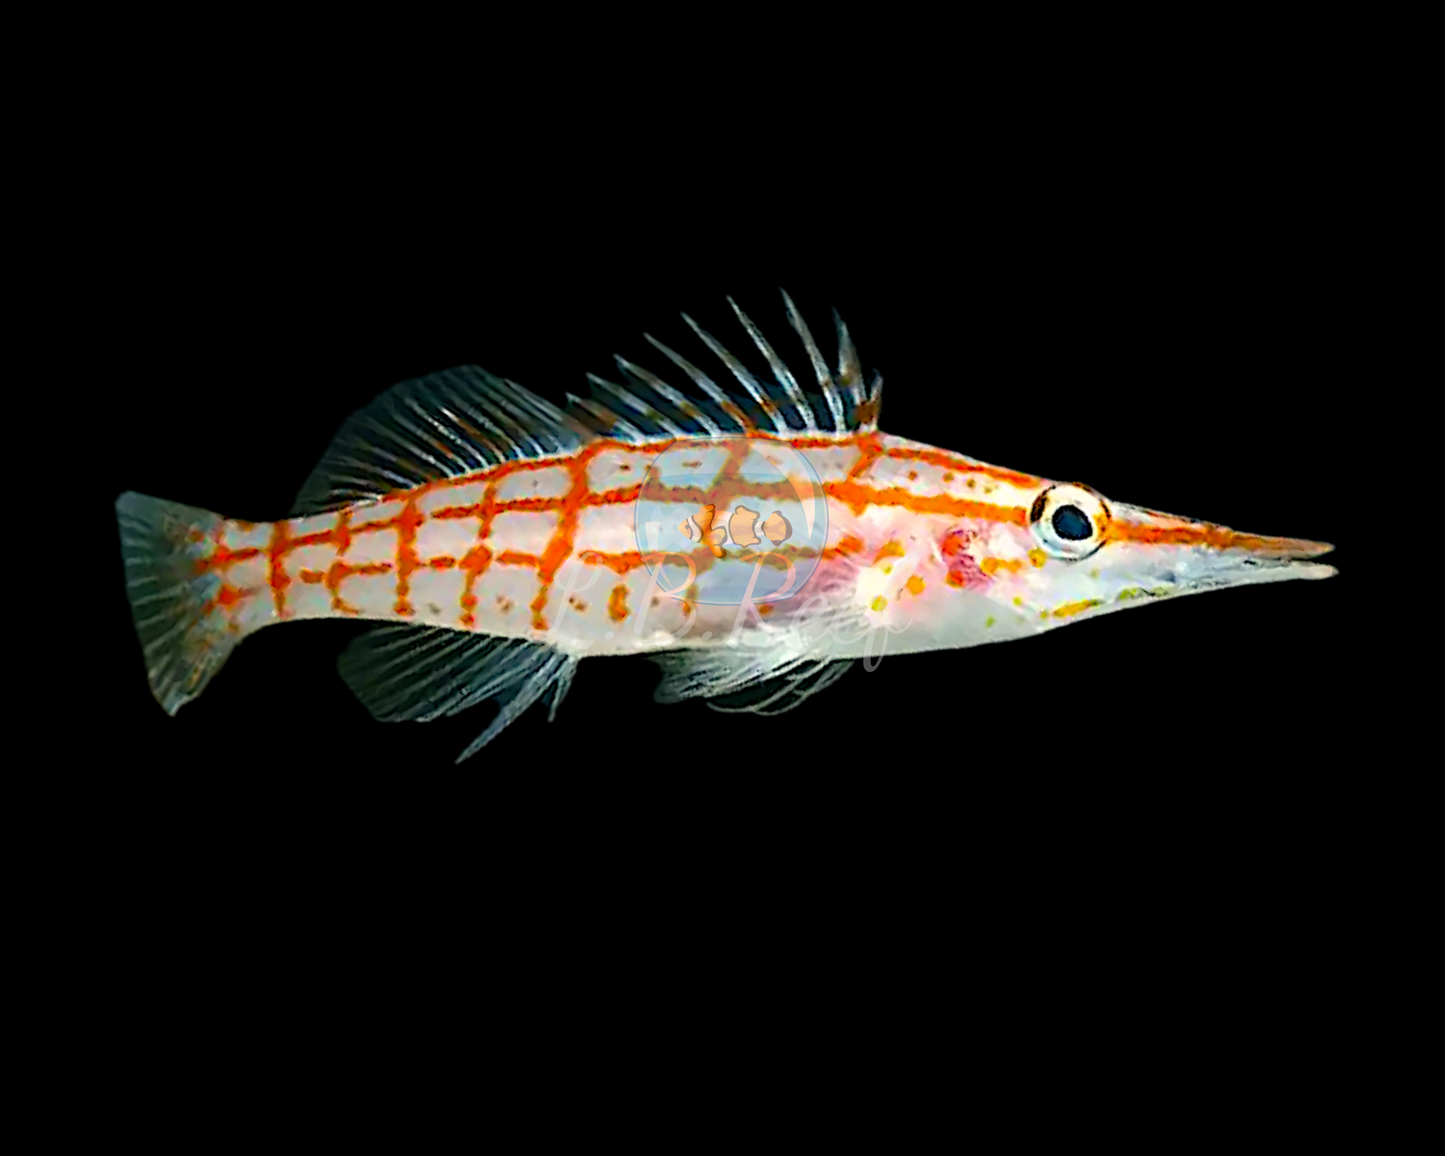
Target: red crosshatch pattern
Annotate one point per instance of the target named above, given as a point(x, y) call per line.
point(920, 479)
point(350, 525)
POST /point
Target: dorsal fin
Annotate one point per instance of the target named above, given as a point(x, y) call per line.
point(465, 419)
point(442, 425)
point(649, 408)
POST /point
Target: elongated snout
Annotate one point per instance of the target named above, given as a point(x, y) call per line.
point(1215, 550)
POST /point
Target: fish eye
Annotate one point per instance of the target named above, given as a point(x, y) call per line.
point(1068, 521)
point(1070, 524)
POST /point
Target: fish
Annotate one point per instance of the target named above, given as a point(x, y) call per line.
point(755, 539)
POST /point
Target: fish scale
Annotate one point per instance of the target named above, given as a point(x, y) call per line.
point(464, 504)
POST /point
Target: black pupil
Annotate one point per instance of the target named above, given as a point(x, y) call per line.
point(1071, 525)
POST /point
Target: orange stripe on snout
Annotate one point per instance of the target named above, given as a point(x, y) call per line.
point(1218, 537)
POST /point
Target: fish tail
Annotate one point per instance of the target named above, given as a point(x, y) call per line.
point(171, 596)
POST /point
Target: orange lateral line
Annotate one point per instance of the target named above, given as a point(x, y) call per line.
point(859, 498)
point(949, 462)
point(520, 465)
point(869, 444)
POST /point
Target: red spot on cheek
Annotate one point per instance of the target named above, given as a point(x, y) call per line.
point(963, 570)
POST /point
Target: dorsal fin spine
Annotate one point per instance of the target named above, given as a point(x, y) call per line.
point(820, 367)
point(463, 420)
point(748, 382)
point(780, 370)
point(850, 370)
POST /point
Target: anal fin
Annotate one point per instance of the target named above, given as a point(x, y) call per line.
point(421, 673)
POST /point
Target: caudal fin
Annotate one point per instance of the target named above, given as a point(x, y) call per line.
point(170, 596)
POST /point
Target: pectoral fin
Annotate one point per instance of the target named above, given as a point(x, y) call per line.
point(744, 679)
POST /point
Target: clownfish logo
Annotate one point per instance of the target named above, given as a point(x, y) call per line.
point(749, 513)
point(699, 528)
point(742, 529)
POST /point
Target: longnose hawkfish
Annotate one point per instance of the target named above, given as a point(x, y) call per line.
point(754, 539)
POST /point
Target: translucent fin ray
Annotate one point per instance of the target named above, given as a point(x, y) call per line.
point(767, 676)
point(603, 420)
point(557, 670)
point(170, 596)
point(647, 407)
point(850, 369)
point(688, 412)
point(784, 692)
point(820, 367)
point(465, 419)
point(709, 673)
point(420, 673)
point(749, 383)
point(728, 416)
point(442, 425)
point(643, 416)
point(780, 370)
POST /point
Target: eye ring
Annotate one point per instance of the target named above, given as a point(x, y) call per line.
point(1068, 521)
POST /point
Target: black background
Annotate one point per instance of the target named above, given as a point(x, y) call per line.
point(1152, 294)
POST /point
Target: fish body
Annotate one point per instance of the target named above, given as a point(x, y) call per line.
point(753, 540)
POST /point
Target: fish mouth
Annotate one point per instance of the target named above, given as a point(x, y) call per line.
point(1282, 560)
point(1290, 554)
point(1294, 565)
